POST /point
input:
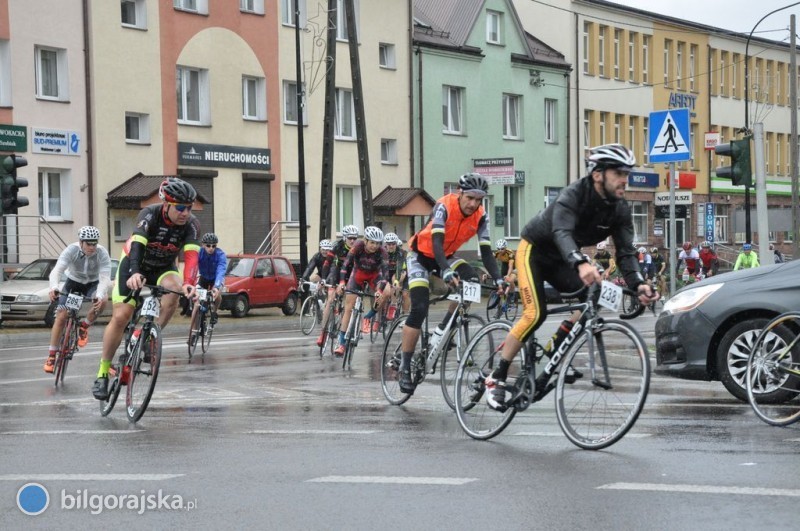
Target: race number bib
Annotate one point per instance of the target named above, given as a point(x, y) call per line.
point(610, 296)
point(74, 301)
point(472, 292)
point(202, 294)
point(150, 307)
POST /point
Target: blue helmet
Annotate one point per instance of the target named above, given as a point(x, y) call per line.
point(747, 247)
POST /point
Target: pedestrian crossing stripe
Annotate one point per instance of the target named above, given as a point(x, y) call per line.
point(668, 136)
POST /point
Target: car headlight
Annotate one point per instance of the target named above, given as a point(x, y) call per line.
point(691, 299)
point(29, 298)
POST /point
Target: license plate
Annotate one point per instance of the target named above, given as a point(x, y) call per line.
point(5, 308)
point(610, 296)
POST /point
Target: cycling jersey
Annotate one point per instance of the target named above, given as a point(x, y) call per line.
point(212, 267)
point(447, 219)
point(396, 263)
point(156, 242)
point(333, 261)
point(690, 260)
point(746, 260)
point(658, 263)
point(317, 262)
point(82, 268)
point(708, 259)
point(603, 259)
point(360, 260)
point(506, 258)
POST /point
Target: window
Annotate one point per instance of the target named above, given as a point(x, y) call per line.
point(603, 117)
point(734, 74)
point(692, 66)
point(617, 129)
point(639, 216)
point(645, 58)
point(5, 74)
point(192, 91)
point(513, 201)
point(288, 12)
point(551, 121)
point(293, 202)
point(632, 134)
point(290, 103)
point(721, 212)
point(137, 128)
point(52, 80)
point(252, 6)
point(679, 65)
point(195, 6)
point(493, 22)
point(341, 20)
point(123, 227)
point(586, 26)
point(550, 195)
point(254, 98)
point(695, 136)
point(632, 57)
point(587, 120)
point(345, 126)
point(646, 138)
point(347, 210)
point(386, 55)
point(134, 13)
point(54, 194)
point(511, 128)
point(722, 57)
point(601, 51)
point(667, 53)
point(617, 38)
point(452, 111)
point(768, 82)
point(779, 77)
point(388, 151)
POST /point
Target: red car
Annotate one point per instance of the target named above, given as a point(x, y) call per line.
point(259, 281)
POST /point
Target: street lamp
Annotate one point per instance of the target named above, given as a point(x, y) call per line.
point(747, 62)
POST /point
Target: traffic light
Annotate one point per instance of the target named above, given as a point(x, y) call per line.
point(739, 171)
point(10, 184)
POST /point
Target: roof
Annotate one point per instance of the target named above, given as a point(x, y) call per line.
point(544, 54)
point(131, 193)
point(455, 18)
point(391, 199)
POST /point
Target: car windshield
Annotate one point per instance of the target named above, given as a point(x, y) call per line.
point(39, 270)
point(239, 267)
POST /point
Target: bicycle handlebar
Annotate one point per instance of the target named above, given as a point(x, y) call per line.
point(155, 291)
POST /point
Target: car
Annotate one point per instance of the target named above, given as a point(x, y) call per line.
point(259, 281)
point(25, 296)
point(706, 330)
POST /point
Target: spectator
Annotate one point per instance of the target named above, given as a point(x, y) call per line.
point(778, 256)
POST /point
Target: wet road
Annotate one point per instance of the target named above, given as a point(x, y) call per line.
point(265, 434)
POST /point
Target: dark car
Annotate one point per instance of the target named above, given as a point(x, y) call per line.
point(706, 330)
point(259, 281)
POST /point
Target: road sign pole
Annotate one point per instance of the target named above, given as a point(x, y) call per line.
point(762, 213)
point(671, 243)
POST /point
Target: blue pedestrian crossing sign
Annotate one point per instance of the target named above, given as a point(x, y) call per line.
point(669, 136)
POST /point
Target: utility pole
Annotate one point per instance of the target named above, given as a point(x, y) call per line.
point(301, 164)
point(793, 155)
point(326, 229)
point(762, 208)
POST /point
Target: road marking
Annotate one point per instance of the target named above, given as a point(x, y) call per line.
point(560, 434)
point(70, 432)
point(393, 480)
point(312, 432)
point(703, 489)
point(88, 477)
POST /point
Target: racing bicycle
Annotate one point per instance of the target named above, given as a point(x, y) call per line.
point(68, 341)
point(313, 306)
point(202, 327)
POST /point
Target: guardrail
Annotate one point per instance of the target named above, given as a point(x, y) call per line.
point(26, 238)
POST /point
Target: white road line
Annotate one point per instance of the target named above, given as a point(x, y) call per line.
point(312, 432)
point(88, 477)
point(70, 432)
point(393, 480)
point(560, 434)
point(703, 489)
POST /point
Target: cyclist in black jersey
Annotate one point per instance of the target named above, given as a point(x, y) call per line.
point(330, 270)
point(150, 257)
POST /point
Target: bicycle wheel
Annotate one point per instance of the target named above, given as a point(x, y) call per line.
point(390, 364)
point(631, 307)
point(513, 307)
point(208, 331)
point(63, 352)
point(374, 331)
point(144, 372)
point(595, 411)
point(491, 306)
point(773, 371)
point(308, 315)
point(482, 355)
point(194, 333)
point(449, 359)
point(114, 386)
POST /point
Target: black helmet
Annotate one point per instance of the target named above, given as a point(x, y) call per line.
point(210, 238)
point(473, 183)
point(174, 190)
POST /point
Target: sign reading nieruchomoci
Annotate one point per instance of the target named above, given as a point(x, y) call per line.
point(13, 138)
point(496, 171)
point(248, 158)
point(55, 141)
point(669, 136)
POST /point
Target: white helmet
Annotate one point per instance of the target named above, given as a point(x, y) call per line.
point(391, 237)
point(611, 156)
point(89, 233)
point(326, 245)
point(501, 244)
point(601, 246)
point(350, 231)
point(373, 234)
point(642, 250)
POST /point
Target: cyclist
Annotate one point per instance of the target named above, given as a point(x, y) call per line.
point(659, 266)
point(585, 212)
point(212, 264)
point(330, 271)
point(645, 262)
point(317, 261)
point(709, 263)
point(689, 258)
point(397, 269)
point(150, 257)
point(604, 260)
point(504, 257)
point(88, 268)
point(747, 258)
point(366, 261)
point(456, 218)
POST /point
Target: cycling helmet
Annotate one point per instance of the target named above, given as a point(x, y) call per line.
point(326, 245)
point(473, 183)
point(350, 231)
point(601, 246)
point(373, 234)
point(391, 237)
point(654, 250)
point(611, 156)
point(705, 244)
point(174, 190)
point(89, 233)
point(501, 244)
point(642, 250)
point(210, 238)
point(687, 246)
point(747, 247)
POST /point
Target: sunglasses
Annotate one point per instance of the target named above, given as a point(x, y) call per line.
point(211, 245)
point(91, 244)
point(181, 208)
point(352, 238)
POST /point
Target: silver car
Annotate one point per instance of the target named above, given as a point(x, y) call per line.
point(25, 296)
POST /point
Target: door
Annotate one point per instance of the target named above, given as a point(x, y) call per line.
point(256, 212)
point(265, 284)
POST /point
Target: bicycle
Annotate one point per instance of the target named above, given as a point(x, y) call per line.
point(459, 329)
point(332, 325)
point(773, 371)
point(385, 316)
point(353, 332)
point(68, 340)
point(137, 368)
point(312, 308)
point(502, 306)
point(201, 327)
point(601, 371)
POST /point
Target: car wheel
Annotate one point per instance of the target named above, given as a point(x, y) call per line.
point(241, 306)
point(732, 360)
point(290, 304)
point(50, 314)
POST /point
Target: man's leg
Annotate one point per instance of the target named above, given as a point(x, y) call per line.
point(55, 336)
point(349, 303)
point(112, 336)
point(169, 302)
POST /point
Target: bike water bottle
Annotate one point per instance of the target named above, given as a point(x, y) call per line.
point(562, 332)
point(126, 374)
point(685, 274)
point(390, 312)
